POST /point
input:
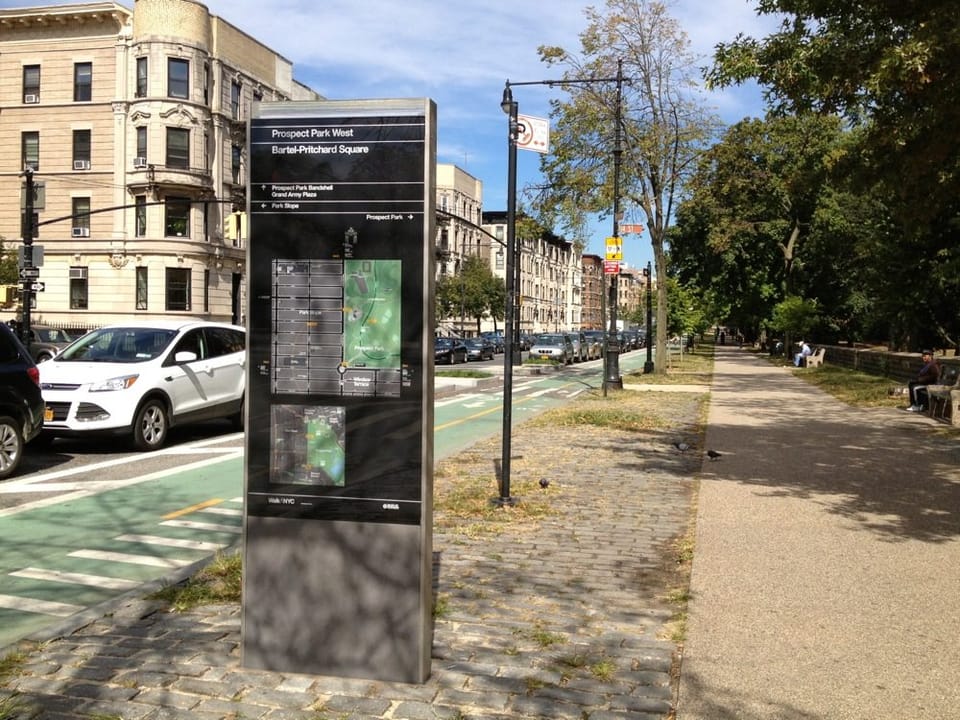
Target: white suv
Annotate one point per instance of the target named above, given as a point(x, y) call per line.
point(141, 379)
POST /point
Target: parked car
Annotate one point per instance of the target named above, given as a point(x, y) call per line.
point(496, 338)
point(594, 345)
point(45, 342)
point(579, 341)
point(479, 348)
point(449, 351)
point(553, 346)
point(21, 402)
point(139, 380)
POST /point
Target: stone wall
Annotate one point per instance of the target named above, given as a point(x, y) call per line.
point(899, 366)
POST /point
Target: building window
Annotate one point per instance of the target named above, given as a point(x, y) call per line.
point(143, 69)
point(80, 210)
point(31, 84)
point(82, 82)
point(81, 149)
point(78, 288)
point(140, 216)
point(178, 148)
point(177, 217)
point(235, 100)
point(206, 290)
point(142, 142)
point(206, 83)
point(235, 164)
point(30, 149)
point(141, 287)
point(178, 289)
point(178, 78)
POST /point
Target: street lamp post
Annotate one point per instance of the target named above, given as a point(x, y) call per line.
point(26, 277)
point(648, 365)
point(511, 345)
point(509, 106)
point(612, 367)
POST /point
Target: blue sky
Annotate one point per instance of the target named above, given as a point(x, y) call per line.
point(460, 54)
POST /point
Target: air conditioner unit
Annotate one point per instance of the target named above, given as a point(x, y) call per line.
point(78, 273)
point(139, 162)
point(81, 232)
point(31, 99)
point(81, 164)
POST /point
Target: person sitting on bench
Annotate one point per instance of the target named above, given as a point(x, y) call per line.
point(928, 375)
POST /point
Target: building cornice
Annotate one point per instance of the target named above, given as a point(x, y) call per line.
point(57, 15)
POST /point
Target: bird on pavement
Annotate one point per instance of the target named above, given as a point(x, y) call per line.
point(544, 483)
point(681, 446)
point(713, 455)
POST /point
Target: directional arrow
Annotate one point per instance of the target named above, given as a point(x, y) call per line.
point(29, 272)
point(38, 286)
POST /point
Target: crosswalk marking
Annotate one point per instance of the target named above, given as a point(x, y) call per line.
point(40, 607)
point(172, 542)
point(149, 560)
point(98, 581)
point(191, 525)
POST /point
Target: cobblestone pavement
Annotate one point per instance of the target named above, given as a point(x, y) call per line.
point(566, 615)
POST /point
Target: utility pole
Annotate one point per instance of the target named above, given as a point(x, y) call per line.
point(613, 362)
point(27, 273)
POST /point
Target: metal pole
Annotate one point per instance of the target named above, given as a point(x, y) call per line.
point(613, 363)
point(27, 277)
point(517, 289)
point(648, 365)
point(509, 105)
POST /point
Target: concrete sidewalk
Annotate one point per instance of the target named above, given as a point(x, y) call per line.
point(826, 578)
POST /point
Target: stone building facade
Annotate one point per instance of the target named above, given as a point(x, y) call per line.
point(134, 123)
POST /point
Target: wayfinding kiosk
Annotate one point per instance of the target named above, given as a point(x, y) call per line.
point(339, 430)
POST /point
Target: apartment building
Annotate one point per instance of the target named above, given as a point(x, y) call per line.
point(134, 124)
point(551, 278)
point(594, 286)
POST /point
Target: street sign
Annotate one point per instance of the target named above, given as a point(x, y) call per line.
point(631, 229)
point(33, 257)
point(38, 286)
point(29, 272)
point(614, 249)
point(534, 133)
point(611, 267)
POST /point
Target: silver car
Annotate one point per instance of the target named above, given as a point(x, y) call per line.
point(553, 346)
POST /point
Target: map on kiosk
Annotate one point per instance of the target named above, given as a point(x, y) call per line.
point(337, 327)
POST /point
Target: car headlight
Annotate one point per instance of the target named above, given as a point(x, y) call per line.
point(116, 383)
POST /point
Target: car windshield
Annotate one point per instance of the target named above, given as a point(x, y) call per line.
point(550, 340)
point(120, 344)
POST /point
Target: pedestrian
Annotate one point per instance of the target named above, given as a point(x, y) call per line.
point(805, 351)
point(928, 375)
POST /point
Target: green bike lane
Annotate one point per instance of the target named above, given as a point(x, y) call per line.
point(60, 560)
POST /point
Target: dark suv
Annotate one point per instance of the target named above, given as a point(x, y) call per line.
point(21, 404)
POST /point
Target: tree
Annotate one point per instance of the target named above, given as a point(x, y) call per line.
point(662, 124)
point(762, 199)
point(473, 292)
point(893, 67)
point(9, 264)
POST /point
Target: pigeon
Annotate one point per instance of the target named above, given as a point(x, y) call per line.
point(681, 446)
point(544, 483)
point(713, 454)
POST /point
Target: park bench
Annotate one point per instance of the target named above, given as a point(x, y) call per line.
point(815, 359)
point(944, 397)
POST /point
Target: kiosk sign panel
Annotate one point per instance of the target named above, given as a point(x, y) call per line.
point(340, 397)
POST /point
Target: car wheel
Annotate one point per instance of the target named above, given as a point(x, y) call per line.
point(237, 419)
point(11, 446)
point(151, 425)
point(44, 356)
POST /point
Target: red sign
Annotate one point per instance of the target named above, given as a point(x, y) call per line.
point(611, 267)
point(631, 228)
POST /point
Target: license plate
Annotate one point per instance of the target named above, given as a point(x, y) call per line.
point(544, 357)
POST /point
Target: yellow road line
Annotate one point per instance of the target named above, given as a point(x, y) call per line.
point(192, 508)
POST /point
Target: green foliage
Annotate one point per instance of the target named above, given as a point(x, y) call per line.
point(794, 315)
point(9, 264)
point(473, 292)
